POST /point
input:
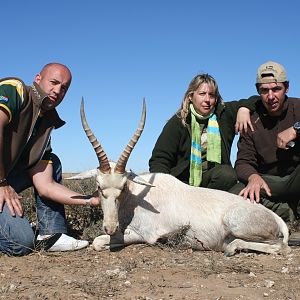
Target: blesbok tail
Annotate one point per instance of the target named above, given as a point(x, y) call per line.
point(283, 229)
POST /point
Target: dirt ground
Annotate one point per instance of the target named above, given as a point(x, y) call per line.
point(150, 272)
point(144, 272)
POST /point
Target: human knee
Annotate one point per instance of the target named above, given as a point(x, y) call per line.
point(21, 250)
point(236, 189)
point(16, 234)
point(227, 171)
point(17, 247)
point(225, 176)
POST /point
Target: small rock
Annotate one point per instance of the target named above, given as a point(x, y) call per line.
point(269, 283)
point(113, 272)
point(122, 275)
point(12, 287)
point(251, 274)
point(189, 251)
point(68, 281)
point(127, 283)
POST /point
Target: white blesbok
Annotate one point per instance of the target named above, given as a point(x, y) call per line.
point(142, 209)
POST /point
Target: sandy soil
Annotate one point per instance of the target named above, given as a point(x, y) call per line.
point(150, 272)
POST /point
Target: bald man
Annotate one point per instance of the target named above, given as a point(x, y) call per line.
point(27, 117)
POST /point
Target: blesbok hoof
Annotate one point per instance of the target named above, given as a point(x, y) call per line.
point(101, 243)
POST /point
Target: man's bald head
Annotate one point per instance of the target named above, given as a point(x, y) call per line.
point(54, 79)
point(64, 68)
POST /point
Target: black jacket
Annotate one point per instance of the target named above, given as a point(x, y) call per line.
point(171, 153)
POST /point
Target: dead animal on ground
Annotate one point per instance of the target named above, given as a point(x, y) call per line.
point(142, 209)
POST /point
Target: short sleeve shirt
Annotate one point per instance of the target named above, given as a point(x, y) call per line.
point(11, 96)
point(11, 99)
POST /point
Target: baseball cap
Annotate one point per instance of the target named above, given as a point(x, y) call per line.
point(272, 69)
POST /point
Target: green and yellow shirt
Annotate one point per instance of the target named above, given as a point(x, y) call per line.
point(11, 99)
point(11, 96)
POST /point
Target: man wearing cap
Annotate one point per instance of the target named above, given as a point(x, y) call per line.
point(268, 159)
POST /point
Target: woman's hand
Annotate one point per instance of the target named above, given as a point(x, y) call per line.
point(243, 120)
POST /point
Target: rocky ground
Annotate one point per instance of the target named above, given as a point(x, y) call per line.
point(140, 272)
point(150, 272)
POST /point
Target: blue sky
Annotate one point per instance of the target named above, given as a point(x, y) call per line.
point(122, 51)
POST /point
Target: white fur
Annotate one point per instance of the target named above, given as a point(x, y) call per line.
point(217, 220)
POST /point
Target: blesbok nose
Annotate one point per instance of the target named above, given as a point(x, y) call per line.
point(110, 230)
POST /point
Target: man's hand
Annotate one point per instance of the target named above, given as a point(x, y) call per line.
point(252, 190)
point(95, 201)
point(284, 137)
point(9, 196)
point(243, 120)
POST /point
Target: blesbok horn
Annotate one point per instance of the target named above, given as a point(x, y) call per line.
point(121, 164)
point(104, 166)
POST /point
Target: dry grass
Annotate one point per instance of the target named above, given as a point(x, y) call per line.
point(176, 240)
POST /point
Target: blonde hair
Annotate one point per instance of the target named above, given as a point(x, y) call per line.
point(199, 79)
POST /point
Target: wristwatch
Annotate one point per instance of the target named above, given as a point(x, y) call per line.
point(296, 126)
point(88, 201)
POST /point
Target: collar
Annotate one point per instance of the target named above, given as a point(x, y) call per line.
point(38, 94)
point(199, 116)
point(220, 106)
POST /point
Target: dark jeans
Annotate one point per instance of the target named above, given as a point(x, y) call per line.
point(220, 177)
point(16, 234)
point(285, 194)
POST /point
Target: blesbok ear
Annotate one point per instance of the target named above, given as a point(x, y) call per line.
point(137, 179)
point(83, 175)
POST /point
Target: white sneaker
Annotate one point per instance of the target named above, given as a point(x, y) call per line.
point(61, 242)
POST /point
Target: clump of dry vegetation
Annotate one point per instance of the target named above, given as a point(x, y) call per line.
point(177, 239)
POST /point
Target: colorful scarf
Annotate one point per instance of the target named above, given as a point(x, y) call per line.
point(213, 145)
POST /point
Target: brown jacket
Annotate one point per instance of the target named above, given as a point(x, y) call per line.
point(18, 132)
